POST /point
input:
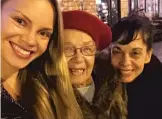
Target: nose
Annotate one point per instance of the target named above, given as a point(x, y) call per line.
point(125, 60)
point(30, 38)
point(78, 57)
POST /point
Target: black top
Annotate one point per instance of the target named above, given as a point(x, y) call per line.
point(11, 109)
point(145, 93)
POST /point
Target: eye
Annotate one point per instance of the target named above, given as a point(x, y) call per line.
point(116, 51)
point(69, 48)
point(20, 21)
point(88, 49)
point(136, 54)
point(45, 34)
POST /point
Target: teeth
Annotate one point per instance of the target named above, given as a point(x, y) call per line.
point(77, 71)
point(22, 51)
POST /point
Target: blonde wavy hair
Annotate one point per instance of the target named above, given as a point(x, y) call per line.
point(46, 87)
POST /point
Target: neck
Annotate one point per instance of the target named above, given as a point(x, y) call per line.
point(9, 79)
point(88, 92)
point(7, 71)
point(86, 83)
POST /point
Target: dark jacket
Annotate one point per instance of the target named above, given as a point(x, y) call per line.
point(145, 93)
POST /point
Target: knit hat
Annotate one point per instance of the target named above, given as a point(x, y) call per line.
point(90, 24)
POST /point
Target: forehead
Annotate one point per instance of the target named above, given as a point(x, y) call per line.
point(38, 11)
point(135, 44)
point(77, 37)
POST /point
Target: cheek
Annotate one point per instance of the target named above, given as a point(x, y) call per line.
point(4, 21)
point(6, 28)
point(114, 62)
point(42, 46)
point(69, 62)
point(9, 29)
point(90, 62)
point(68, 59)
point(6, 24)
point(139, 66)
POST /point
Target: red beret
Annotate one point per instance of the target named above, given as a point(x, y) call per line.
point(90, 24)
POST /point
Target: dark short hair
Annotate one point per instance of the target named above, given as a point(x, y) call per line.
point(127, 29)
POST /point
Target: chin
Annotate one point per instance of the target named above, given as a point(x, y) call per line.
point(19, 65)
point(77, 82)
point(127, 80)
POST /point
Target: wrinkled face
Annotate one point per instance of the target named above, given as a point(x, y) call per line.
point(77, 46)
point(129, 60)
point(26, 29)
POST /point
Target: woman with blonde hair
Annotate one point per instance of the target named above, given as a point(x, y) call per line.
point(34, 81)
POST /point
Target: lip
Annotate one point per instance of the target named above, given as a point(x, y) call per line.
point(76, 72)
point(21, 52)
point(126, 72)
point(122, 69)
point(29, 50)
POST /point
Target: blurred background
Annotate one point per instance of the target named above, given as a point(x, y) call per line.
point(110, 11)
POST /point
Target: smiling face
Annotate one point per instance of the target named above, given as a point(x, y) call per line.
point(129, 60)
point(80, 66)
point(25, 33)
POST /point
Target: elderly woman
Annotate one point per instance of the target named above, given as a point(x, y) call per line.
point(84, 35)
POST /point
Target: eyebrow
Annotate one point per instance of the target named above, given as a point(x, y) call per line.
point(22, 15)
point(138, 38)
point(46, 29)
point(89, 42)
point(118, 48)
point(84, 43)
point(137, 49)
point(30, 20)
point(68, 43)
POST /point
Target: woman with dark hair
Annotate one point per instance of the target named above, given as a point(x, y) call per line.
point(134, 70)
point(131, 53)
point(35, 82)
point(131, 47)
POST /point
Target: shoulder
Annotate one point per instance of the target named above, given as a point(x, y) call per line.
point(153, 68)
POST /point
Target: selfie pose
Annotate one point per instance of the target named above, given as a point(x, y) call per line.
point(34, 77)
